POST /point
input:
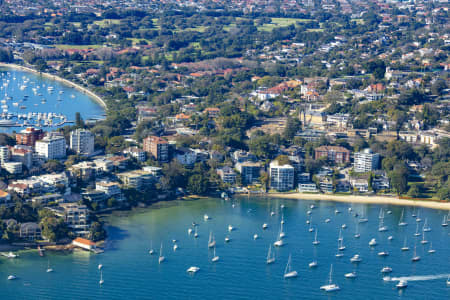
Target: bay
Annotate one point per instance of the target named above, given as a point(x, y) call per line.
point(130, 272)
point(28, 90)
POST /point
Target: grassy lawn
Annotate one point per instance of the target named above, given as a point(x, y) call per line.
point(315, 30)
point(135, 41)
point(65, 47)
point(281, 22)
point(106, 22)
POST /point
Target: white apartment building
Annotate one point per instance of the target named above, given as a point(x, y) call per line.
point(82, 141)
point(366, 161)
point(52, 146)
point(281, 176)
point(4, 154)
point(13, 167)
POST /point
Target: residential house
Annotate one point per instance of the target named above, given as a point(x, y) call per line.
point(227, 175)
point(335, 154)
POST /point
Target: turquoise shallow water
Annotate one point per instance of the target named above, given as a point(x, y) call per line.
point(71, 100)
point(131, 273)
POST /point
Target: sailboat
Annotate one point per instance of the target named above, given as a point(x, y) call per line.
point(402, 217)
point(448, 280)
point(49, 270)
point(215, 257)
point(211, 241)
point(101, 281)
point(445, 221)
point(363, 219)
point(339, 254)
point(330, 287)
point(431, 250)
point(418, 219)
point(415, 256)
point(282, 218)
point(357, 234)
point(151, 251)
point(341, 246)
point(288, 273)
point(426, 228)
point(270, 256)
point(281, 234)
point(405, 247)
point(381, 226)
point(381, 214)
point(316, 242)
point(417, 230)
point(340, 238)
point(196, 233)
point(161, 257)
point(423, 241)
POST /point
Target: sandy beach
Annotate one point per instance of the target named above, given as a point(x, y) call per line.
point(56, 78)
point(362, 199)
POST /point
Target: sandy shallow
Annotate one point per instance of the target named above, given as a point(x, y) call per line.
point(362, 199)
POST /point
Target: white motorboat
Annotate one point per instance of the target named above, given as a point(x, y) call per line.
point(11, 255)
point(12, 277)
point(330, 287)
point(402, 284)
point(279, 243)
point(270, 256)
point(431, 250)
point(344, 226)
point(175, 247)
point(327, 220)
point(356, 258)
point(336, 211)
point(190, 231)
point(373, 242)
point(227, 239)
point(265, 226)
point(193, 269)
point(288, 272)
point(100, 266)
point(230, 228)
point(386, 270)
point(272, 213)
point(206, 217)
point(383, 253)
point(350, 275)
point(312, 206)
point(255, 236)
point(313, 264)
point(448, 280)
point(339, 254)
point(390, 238)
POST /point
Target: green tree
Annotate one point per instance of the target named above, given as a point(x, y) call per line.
point(97, 232)
point(399, 180)
point(197, 184)
point(414, 191)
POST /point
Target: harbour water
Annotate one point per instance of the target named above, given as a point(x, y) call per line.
point(27, 99)
point(130, 272)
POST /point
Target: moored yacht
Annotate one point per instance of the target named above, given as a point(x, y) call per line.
point(330, 287)
point(270, 256)
point(356, 258)
point(288, 272)
point(193, 269)
point(402, 284)
point(350, 275)
point(386, 270)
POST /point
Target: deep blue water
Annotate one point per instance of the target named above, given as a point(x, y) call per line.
point(242, 273)
point(63, 99)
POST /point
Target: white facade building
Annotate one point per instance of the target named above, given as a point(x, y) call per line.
point(52, 146)
point(366, 161)
point(281, 176)
point(82, 141)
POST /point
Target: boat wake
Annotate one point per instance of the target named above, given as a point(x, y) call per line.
point(417, 278)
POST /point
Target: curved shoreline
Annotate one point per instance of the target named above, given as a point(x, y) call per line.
point(80, 88)
point(361, 199)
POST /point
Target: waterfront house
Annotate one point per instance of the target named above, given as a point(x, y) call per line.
point(227, 175)
point(84, 243)
point(30, 231)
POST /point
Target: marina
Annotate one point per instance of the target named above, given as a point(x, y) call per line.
point(128, 270)
point(28, 99)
